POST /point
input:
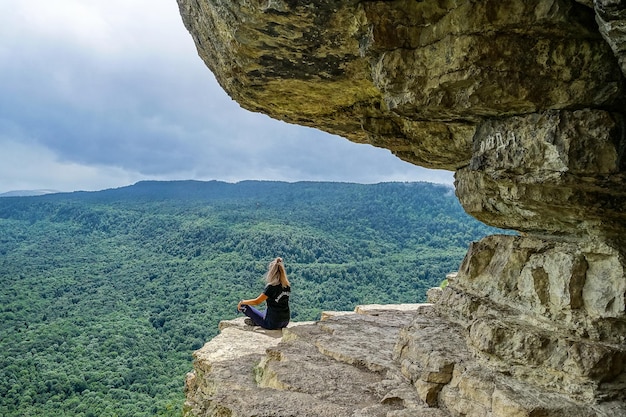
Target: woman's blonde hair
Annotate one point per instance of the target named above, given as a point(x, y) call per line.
point(276, 273)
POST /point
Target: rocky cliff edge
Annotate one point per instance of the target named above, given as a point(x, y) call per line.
point(378, 361)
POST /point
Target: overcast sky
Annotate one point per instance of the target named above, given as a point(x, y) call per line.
point(97, 94)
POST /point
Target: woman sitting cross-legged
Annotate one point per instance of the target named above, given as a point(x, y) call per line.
point(276, 295)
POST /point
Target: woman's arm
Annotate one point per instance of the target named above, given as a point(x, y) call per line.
point(262, 297)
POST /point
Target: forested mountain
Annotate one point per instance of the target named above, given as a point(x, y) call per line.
point(104, 295)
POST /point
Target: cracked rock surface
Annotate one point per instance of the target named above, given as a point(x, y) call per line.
point(381, 361)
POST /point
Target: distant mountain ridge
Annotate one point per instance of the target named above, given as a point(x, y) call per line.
point(152, 190)
point(28, 193)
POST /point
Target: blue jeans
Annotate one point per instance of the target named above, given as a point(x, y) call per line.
point(259, 319)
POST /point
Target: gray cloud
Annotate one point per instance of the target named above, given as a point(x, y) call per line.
point(102, 93)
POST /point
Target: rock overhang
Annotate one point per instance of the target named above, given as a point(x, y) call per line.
point(452, 84)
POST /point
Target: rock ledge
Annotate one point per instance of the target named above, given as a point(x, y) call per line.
point(380, 360)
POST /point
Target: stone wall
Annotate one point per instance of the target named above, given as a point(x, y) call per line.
point(524, 100)
point(548, 313)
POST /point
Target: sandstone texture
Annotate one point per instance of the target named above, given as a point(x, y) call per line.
point(341, 366)
point(525, 101)
point(379, 361)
